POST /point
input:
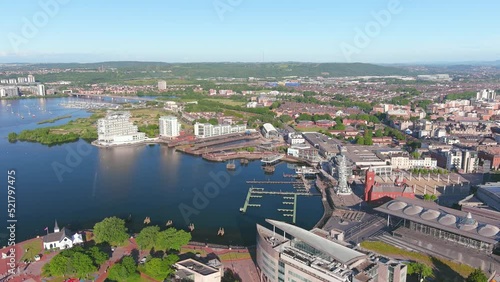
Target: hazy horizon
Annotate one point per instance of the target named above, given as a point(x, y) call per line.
point(377, 32)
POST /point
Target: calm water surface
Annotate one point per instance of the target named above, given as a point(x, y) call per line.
point(78, 184)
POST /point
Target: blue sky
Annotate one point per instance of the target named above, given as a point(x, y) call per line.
point(250, 31)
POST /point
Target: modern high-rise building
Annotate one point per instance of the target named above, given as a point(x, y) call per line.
point(31, 78)
point(453, 159)
point(486, 95)
point(162, 85)
point(310, 257)
point(116, 129)
point(169, 126)
point(41, 90)
point(9, 91)
point(470, 161)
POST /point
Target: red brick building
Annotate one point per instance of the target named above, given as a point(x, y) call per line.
point(383, 192)
point(491, 154)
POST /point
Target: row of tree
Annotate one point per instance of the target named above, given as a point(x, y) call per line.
point(77, 261)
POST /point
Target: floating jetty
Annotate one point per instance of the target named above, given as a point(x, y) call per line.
point(287, 203)
point(285, 210)
point(272, 182)
point(290, 175)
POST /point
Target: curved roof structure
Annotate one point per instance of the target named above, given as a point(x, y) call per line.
point(448, 219)
point(340, 253)
point(476, 226)
point(269, 127)
point(430, 214)
point(488, 230)
point(413, 210)
point(397, 205)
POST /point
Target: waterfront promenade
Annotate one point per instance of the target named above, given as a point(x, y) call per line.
point(237, 259)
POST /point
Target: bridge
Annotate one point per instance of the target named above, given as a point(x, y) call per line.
point(272, 159)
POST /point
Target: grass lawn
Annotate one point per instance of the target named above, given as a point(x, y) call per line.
point(227, 102)
point(443, 268)
point(234, 256)
point(31, 249)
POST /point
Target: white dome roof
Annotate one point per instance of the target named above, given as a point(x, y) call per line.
point(488, 230)
point(413, 210)
point(397, 205)
point(430, 214)
point(448, 219)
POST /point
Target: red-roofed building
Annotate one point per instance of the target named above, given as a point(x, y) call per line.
point(383, 192)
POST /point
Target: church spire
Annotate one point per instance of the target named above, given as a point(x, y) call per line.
point(56, 228)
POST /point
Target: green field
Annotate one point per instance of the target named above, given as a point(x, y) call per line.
point(444, 270)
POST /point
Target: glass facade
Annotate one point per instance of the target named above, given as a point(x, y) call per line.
point(445, 235)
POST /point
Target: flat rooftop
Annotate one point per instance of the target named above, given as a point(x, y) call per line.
point(197, 267)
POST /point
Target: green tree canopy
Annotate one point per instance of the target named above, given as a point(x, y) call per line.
point(477, 276)
point(124, 271)
point(160, 269)
point(146, 239)
point(111, 230)
point(172, 239)
point(420, 269)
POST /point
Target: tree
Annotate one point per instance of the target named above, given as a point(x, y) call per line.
point(160, 269)
point(12, 137)
point(111, 230)
point(172, 239)
point(379, 133)
point(147, 237)
point(477, 276)
point(420, 269)
point(99, 257)
point(126, 270)
point(213, 121)
point(82, 265)
point(360, 140)
point(58, 266)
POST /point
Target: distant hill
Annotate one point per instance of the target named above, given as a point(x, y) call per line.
point(242, 70)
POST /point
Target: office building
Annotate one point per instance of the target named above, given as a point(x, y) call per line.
point(162, 85)
point(204, 130)
point(169, 126)
point(116, 129)
point(308, 256)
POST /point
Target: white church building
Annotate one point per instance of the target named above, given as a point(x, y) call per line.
point(61, 239)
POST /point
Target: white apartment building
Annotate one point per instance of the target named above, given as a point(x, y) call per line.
point(405, 162)
point(486, 95)
point(162, 85)
point(453, 159)
point(295, 138)
point(10, 91)
point(470, 161)
point(169, 126)
point(204, 130)
point(41, 90)
point(31, 79)
point(116, 129)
